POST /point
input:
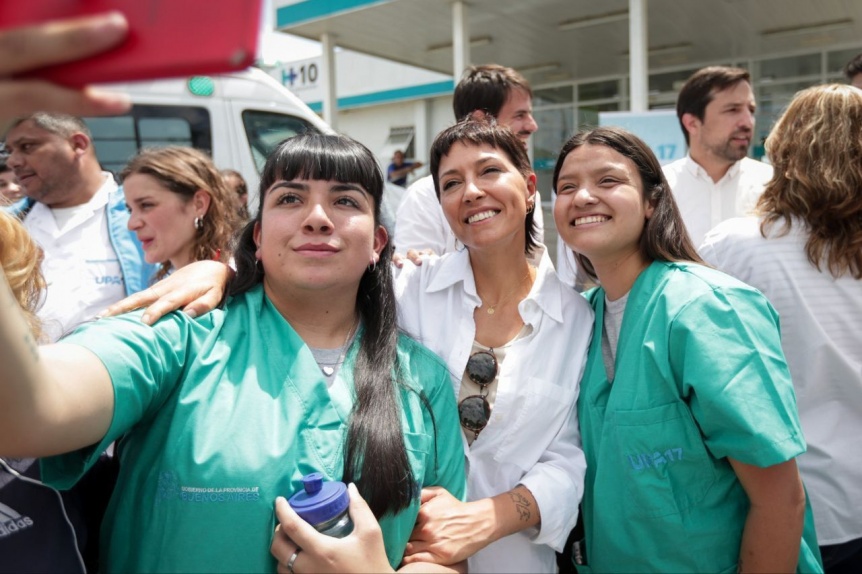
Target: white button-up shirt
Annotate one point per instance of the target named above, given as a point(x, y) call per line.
point(820, 333)
point(81, 267)
point(532, 438)
point(705, 203)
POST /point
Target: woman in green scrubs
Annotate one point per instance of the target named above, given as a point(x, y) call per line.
point(303, 370)
point(687, 412)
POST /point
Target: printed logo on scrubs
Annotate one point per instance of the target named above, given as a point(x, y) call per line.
point(170, 489)
point(656, 459)
point(11, 522)
point(109, 280)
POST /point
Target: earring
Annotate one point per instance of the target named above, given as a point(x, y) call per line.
point(372, 266)
point(531, 207)
point(199, 222)
point(459, 246)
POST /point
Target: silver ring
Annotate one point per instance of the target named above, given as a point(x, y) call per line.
point(292, 560)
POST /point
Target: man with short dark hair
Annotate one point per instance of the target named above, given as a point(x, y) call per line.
point(716, 180)
point(853, 71)
point(488, 89)
point(78, 216)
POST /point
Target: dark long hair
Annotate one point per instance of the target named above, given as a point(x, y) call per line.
point(486, 131)
point(375, 456)
point(664, 236)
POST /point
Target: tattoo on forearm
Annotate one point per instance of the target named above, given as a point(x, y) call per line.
point(522, 505)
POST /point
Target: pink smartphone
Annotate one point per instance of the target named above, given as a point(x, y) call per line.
point(166, 38)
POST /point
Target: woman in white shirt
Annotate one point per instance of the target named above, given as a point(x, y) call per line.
point(514, 338)
point(803, 250)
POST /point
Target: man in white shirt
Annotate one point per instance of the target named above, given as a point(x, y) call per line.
point(78, 216)
point(489, 89)
point(716, 181)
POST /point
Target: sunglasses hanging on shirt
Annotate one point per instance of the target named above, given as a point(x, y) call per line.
point(474, 410)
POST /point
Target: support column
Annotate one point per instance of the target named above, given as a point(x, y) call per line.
point(460, 39)
point(638, 56)
point(330, 98)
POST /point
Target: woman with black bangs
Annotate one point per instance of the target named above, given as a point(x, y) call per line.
point(222, 416)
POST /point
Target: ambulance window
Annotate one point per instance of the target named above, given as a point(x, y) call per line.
point(265, 130)
point(118, 138)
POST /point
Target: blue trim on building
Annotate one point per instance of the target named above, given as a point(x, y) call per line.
point(387, 96)
point(308, 10)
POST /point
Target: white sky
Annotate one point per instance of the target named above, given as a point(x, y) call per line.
point(280, 47)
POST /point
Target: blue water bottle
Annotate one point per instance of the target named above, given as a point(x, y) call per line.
point(323, 504)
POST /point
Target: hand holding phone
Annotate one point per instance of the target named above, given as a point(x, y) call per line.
point(32, 47)
point(165, 38)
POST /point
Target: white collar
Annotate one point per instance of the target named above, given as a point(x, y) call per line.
point(545, 296)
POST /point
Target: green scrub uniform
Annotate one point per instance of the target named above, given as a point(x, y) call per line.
point(700, 376)
point(221, 415)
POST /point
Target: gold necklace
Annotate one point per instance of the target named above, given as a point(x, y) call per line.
point(492, 308)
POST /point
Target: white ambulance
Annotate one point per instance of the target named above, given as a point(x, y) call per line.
point(237, 118)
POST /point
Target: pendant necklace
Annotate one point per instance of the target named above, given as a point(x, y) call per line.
point(328, 370)
point(491, 309)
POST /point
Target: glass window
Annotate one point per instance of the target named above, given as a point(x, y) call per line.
point(588, 116)
point(670, 82)
point(118, 138)
point(265, 130)
point(599, 90)
point(174, 130)
point(551, 96)
point(835, 61)
point(781, 68)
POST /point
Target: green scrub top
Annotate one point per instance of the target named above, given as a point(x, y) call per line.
point(700, 376)
point(221, 415)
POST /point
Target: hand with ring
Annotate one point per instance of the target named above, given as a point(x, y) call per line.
point(300, 549)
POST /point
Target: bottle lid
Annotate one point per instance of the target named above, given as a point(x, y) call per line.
point(320, 500)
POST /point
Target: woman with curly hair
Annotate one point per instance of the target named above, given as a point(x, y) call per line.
point(181, 208)
point(803, 250)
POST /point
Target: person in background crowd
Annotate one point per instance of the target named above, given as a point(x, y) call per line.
point(10, 191)
point(716, 181)
point(180, 207)
point(399, 169)
point(687, 411)
point(343, 393)
point(236, 183)
point(489, 89)
point(853, 71)
point(77, 215)
point(803, 250)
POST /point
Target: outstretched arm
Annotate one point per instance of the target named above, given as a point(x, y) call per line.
point(53, 399)
point(32, 47)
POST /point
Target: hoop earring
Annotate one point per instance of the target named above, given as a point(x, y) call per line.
point(199, 223)
point(531, 207)
point(372, 267)
point(459, 246)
